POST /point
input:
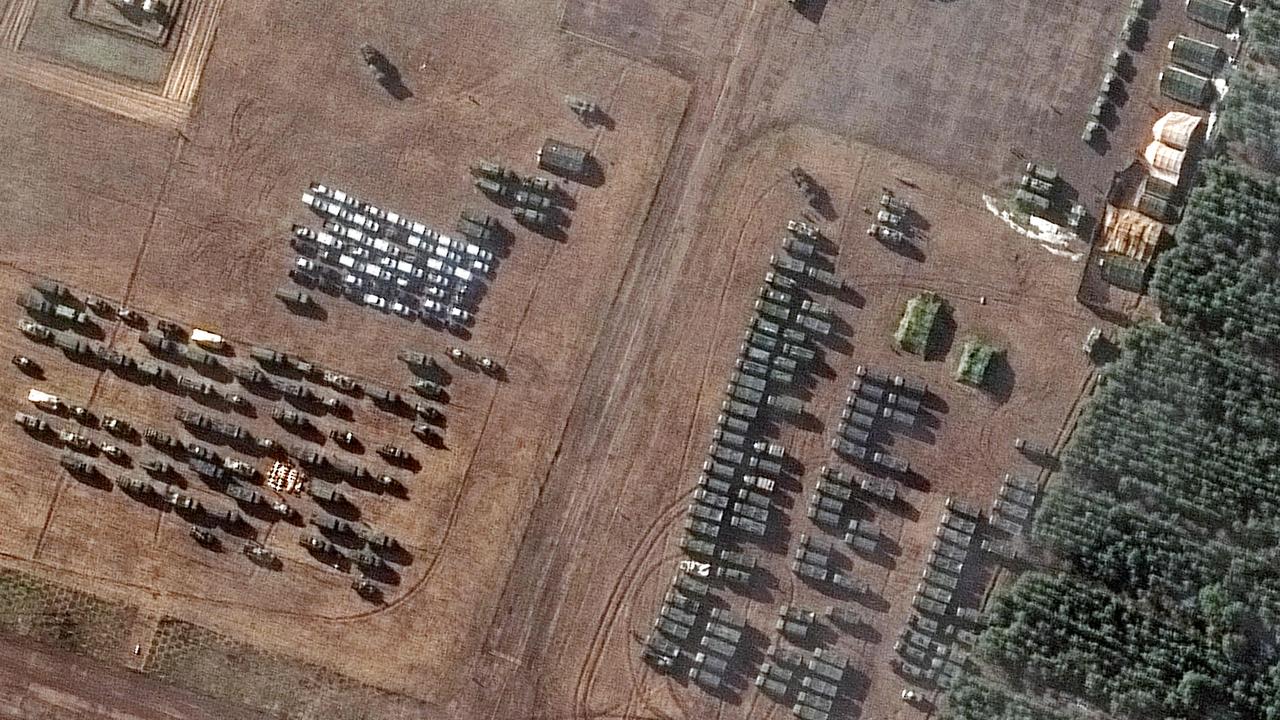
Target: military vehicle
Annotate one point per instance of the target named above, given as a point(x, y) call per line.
point(292, 389)
point(183, 503)
point(77, 465)
point(260, 555)
point(247, 374)
point(193, 419)
point(26, 365)
point(494, 171)
point(530, 217)
point(339, 381)
point(330, 524)
point(702, 527)
point(293, 297)
point(35, 330)
point(159, 343)
point(383, 396)
point(696, 546)
point(393, 453)
point(839, 492)
point(204, 536)
point(367, 589)
point(30, 423)
point(75, 441)
point(417, 360)
point(160, 440)
point(317, 544)
point(133, 318)
point(157, 467)
point(200, 357)
point(306, 456)
point(268, 357)
point(478, 226)
point(367, 559)
point(426, 433)
point(748, 525)
point(532, 200)
point(344, 438)
point(53, 289)
point(136, 487)
point(325, 492)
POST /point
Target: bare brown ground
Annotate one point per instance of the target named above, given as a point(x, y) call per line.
point(543, 537)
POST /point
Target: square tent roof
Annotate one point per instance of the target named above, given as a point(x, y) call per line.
point(1217, 14)
point(563, 157)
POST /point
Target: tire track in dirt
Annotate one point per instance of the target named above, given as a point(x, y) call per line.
point(608, 618)
point(198, 35)
point(638, 553)
point(16, 20)
point(97, 92)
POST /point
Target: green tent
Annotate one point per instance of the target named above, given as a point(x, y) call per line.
point(1217, 14)
point(1186, 87)
point(1200, 57)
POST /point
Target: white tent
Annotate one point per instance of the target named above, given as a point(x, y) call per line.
point(1176, 129)
point(1164, 162)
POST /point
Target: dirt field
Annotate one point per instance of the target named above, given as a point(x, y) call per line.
point(540, 541)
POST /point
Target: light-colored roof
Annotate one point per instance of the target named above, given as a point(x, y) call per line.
point(1164, 162)
point(1176, 129)
point(1130, 233)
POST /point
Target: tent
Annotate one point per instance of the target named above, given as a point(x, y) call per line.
point(1130, 233)
point(1217, 14)
point(1164, 162)
point(1176, 129)
point(1195, 55)
point(1186, 87)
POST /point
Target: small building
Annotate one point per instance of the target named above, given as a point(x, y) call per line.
point(1184, 86)
point(563, 158)
point(1158, 208)
point(1165, 162)
point(1177, 129)
point(1197, 56)
point(1131, 234)
point(1217, 14)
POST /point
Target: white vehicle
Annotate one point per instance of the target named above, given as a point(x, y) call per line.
point(329, 241)
point(403, 310)
point(341, 196)
point(44, 400)
point(377, 273)
point(433, 307)
point(693, 567)
point(375, 301)
point(464, 275)
point(458, 315)
point(319, 189)
point(353, 282)
point(347, 261)
point(358, 252)
point(206, 338)
point(416, 242)
point(394, 219)
point(311, 200)
point(305, 233)
point(435, 291)
point(353, 234)
point(418, 228)
point(304, 264)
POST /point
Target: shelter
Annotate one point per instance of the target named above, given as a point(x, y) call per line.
point(1176, 129)
point(1158, 208)
point(1195, 55)
point(1217, 14)
point(1164, 162)
point(1131, 234)
point(1184, 86)
point(563, 158)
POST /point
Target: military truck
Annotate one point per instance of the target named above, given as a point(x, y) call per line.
point(35, 330)
point(30, 423)
point(160, 344)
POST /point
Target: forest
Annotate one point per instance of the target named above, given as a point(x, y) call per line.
point(1153, 589)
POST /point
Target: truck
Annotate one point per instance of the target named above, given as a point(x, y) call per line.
point(891, 462)
point(882, 488)
point(744, 380)
point(744, 394)
point(785, 403)
point(759, 482)
point(853, 434)
point(799, 352)
point(740, 409)
point(783, 263)
point(725, 454)
point(733, 424)
point(748, 525)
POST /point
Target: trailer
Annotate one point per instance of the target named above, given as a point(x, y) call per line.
point(740, 409)
point(826, 277)
point(839, 492)
point(811, 572)
point(755, 512)
point(744, 380)
point(724, 454)
point(958, 523)
point(702, 528)
point(961, 507)
point(713, 499)
point(787, 264)
point(772, 311)
point(759, 482)
point(798, 352)
point(748, 525)
point(673, 630)
point(862, 406)
point(947, 550)
point(853, 434)
point(862, 544)
point(745, 394)
point(941, 579)
point(719, 470)
point(729, 438)
point(882, 488)
point(735, 424)
point(785, 403)
point(702, 512)
point(951, 565)
point(797, 247)
point(718, 646)
point(848, 449)
point(761, 341)
point(824, 517)
point(891, 462)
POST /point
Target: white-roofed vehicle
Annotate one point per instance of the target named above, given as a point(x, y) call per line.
point(206, 338)
point(376, 301)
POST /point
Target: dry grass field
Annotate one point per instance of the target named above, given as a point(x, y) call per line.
point(539, 540)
